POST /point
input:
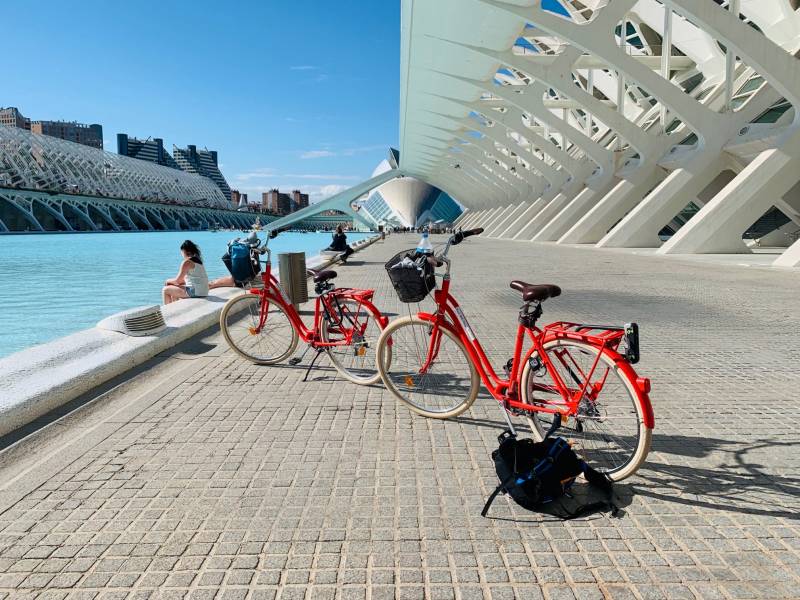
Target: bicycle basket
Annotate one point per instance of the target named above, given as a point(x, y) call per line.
point(413, 282)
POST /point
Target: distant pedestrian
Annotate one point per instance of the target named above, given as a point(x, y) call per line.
point(192, 279)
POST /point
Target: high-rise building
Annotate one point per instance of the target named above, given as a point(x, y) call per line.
point(151, 150)
point(11, 117)
point(299, 200)
point(276, 202)
point(235, 197)
point(88, 135)
point(202, 162)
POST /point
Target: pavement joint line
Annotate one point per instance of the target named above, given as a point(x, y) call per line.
point(244, 478)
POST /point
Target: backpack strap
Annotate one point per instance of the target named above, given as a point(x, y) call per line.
point(495, 493)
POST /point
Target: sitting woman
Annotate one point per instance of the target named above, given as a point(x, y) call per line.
point(192, 279)
point(339, 243)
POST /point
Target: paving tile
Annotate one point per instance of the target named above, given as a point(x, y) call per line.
point(244, 481)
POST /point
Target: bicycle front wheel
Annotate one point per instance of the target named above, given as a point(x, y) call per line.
point(274, 342)
point(608, 428)
point(356, 361)
point(430, 371)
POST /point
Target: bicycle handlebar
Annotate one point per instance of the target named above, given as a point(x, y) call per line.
point(460, 236)
point(273, 233)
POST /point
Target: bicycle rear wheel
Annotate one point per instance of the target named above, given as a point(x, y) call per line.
point(608, 429)
point(277, 339)
point(446, 387)
point(355, 362)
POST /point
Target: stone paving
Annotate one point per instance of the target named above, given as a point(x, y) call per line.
point(208, 477)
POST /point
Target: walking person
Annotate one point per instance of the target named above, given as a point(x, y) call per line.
point(191, 280)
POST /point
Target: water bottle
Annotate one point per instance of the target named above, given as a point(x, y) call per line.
point(424, 247)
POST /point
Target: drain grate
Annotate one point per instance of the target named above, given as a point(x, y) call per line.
point(140, 321)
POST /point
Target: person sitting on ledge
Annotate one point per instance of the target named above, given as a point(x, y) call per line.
point(192, 279)
point(339, 244)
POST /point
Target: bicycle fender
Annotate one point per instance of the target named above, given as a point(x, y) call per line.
point(641, 385)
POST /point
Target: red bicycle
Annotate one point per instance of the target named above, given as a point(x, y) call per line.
point(263, 326)
point(574, 377)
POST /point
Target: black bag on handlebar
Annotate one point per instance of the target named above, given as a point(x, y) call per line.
point(414, 279)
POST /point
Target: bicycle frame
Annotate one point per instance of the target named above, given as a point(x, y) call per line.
point(449, 316)
point(326, 306)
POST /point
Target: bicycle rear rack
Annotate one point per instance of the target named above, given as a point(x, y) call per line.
point(604, 335)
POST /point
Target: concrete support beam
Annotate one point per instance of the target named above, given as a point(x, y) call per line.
point(498, 216)
point(518, 221)
point(487, 217)
point(790, 258)
point(611, 208)
point(503, 224)
point(570, 214)
point(461, 217)
point(640, 227)
point(718, 226)
point(473, 218)
point(544, 216)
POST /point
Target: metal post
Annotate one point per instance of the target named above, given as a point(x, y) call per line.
point(730, 63)
point(666, 55)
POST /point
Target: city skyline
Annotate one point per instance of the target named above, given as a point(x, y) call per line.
point(285, 114)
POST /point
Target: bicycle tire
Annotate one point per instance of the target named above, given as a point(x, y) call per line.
point(463, 387)
point(362, 369)
point(589, 424)
point(250, 345)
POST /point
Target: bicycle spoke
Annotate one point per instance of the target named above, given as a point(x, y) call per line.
point(605, 426)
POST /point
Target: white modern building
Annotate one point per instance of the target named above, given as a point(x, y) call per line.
point(408, 201)
point(668, 125)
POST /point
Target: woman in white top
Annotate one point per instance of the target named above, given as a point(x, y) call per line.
point(192, 279)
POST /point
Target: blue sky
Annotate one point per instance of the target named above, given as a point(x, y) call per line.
point(300, 93)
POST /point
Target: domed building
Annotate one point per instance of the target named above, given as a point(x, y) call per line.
point(408, 202)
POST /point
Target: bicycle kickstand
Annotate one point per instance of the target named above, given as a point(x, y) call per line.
point(311, 364)
point(507, 417)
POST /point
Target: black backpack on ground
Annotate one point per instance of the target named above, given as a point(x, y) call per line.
point(537, 474)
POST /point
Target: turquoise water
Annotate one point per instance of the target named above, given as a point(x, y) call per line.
point(54, 285)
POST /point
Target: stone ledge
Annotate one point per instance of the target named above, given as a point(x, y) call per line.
point(38, 380)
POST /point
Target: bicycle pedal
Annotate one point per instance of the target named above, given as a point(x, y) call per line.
point(295, 361)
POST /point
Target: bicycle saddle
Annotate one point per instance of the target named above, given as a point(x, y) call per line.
point(532, 292)
point(320, 276)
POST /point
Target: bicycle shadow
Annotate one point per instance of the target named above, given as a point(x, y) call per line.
point(738, 483)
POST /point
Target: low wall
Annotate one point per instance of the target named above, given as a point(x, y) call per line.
point(38, 380)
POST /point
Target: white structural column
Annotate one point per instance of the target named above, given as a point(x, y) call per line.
point(617, 123)
point(592, 226)
point(490, 225)
point(719, 225)
point(567, 216)
point(640, 227)
point(461, 217)
point(790, 257)
point(485, 217)
point(503, 224)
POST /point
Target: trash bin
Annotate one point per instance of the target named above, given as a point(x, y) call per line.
point(293, 276)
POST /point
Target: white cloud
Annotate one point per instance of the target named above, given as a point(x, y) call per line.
point(317, 154)
point(344, 152)
point(326, 191)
